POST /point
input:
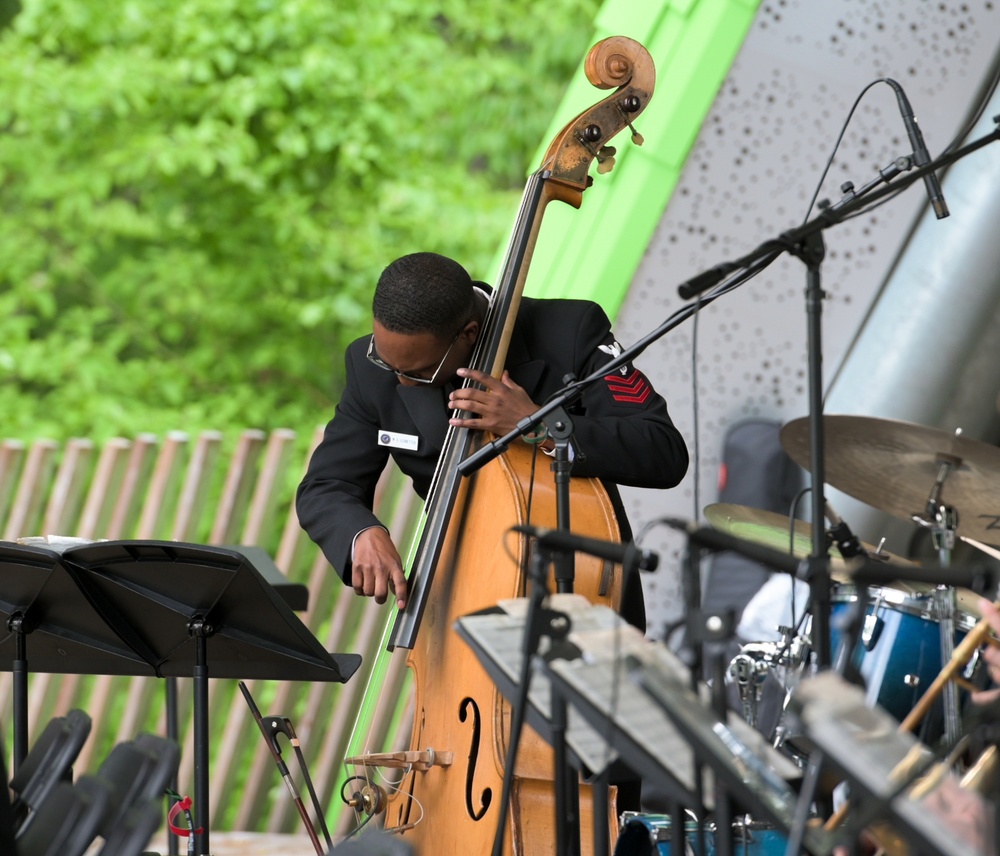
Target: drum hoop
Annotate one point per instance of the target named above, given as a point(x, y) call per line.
point(895, 600)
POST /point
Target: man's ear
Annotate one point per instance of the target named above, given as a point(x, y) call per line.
point(471, 331)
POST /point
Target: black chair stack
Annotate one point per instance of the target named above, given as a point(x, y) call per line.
point(49, 762)
point(121, 805)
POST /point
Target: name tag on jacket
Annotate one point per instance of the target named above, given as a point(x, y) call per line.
point(398, 441)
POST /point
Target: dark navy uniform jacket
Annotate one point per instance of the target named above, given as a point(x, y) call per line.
point(623, 434)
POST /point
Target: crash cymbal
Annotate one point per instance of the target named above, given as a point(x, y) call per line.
point(761, 527)
point(772, 530)
point(894, 466)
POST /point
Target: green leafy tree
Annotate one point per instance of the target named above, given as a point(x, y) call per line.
point(197, 197)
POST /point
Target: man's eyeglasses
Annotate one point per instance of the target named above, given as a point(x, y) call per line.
point(377, 360)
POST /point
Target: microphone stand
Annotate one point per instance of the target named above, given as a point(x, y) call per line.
point(806, 243)
point(541, 621)
point(844, 666)
point(691, 653)
point(560, 428)
point(745, 267)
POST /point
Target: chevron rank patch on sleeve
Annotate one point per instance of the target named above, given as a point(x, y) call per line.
point(632, 389)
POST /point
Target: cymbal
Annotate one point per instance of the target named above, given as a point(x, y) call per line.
point(893, 466)
point(762, 527)
point(772, 530)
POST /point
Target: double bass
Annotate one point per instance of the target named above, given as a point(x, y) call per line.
point(446, 802)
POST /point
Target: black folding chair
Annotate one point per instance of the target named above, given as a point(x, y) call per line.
point(48, 762)
point(137, 773)
point(134, 830)
point(67, 822)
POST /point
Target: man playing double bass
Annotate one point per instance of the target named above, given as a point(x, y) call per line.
point(404, 381)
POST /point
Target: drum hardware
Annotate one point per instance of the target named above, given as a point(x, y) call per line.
point(940, 518)
point(945, 599)
point(963, 653)
point(799, 647)
point(872, 627)
point(647, 834)
point(749, 673)
point(888, 464)
point(898, 652)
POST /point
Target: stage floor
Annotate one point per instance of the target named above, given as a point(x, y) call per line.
point(246, 844)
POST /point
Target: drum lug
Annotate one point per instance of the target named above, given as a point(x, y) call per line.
point(872, 630)
point(911, 680)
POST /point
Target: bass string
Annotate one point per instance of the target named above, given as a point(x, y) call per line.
point(377, 674)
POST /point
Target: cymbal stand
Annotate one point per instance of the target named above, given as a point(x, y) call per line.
point(942, 520)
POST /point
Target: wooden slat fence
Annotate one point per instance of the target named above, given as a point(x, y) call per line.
point(198, 491)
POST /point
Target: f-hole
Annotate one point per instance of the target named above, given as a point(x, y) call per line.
point(487, 796)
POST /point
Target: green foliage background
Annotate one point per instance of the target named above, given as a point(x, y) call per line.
point(198, 196)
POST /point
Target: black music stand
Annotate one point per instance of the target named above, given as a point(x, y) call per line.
point(601, 686)
point(38, 599)
point(744, 769)
point(496, 636)
point(888, 772)
point(165, 600)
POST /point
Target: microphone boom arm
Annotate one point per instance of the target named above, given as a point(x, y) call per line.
point(832, 215)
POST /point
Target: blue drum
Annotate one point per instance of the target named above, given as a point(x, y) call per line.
point(899, 652)
point(649, 834)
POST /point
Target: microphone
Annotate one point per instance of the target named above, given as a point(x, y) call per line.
point(847, 542)
point(719, 541)
point(921, 157)
point(977, 578)
point(622, 554)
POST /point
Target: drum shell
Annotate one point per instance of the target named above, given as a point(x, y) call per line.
point(899, 653)
point(649, 834)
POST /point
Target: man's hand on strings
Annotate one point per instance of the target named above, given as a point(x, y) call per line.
point(497, 408)
point(377, 568)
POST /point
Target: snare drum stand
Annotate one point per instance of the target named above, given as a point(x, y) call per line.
point(942, 520)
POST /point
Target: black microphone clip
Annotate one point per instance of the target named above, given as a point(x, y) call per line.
point(842, 536)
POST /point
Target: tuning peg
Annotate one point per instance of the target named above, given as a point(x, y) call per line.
point(627, 106)
point(606, 159)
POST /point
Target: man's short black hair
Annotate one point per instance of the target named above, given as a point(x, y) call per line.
point(424, 293)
